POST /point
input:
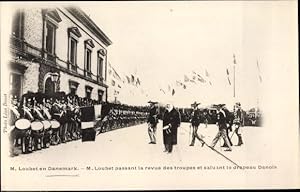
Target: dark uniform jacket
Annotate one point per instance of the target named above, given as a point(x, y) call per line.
point(221, 120)
point(171, 118)
point(196, 117)
point(152, 118)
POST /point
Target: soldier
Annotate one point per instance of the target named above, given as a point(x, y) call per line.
point(206, 116)
point(46, 113)
point(237, 122)
point(152, 122)
point(56, 113)
point(229, 123)
point(221, 122)
point(14, 134)
point(37, 135)
point(171, 122)
point(26, 113)
point(195, 122)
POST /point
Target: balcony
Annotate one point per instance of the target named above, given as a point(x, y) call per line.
point(51, 58)
point(100, 79)
point(21, 47)
point(88, 74)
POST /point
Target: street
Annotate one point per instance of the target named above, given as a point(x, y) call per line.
point(123, 159)
point(132, 143)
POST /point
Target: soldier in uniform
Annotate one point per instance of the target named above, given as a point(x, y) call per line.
point(206, 116)
point(195, 122)
point(26, 113)
point(14, 134)
point(221, 122)
point(229, 123)
point(56, 113)
point(37, 136)
point(237, 122)
point(152, 122)
point(46, 113)
point(171, 122)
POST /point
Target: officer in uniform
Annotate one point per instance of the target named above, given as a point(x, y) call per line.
point(152, 122)
point(195, 122)
point(221, 122)
point(237, 122)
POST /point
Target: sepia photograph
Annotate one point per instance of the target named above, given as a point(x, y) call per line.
point(149, 95)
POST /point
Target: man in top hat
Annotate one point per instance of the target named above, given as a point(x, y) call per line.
point(195, 122)
point(171, 122)
point(237, 122)
point(221, 122)
point(152, 122)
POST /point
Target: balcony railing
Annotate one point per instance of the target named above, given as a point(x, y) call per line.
point(21, 46)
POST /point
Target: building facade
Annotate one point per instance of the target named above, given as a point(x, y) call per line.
point(58, 49)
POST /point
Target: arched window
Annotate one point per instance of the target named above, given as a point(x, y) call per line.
point(49, 86)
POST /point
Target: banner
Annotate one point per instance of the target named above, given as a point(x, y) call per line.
point(89, 116)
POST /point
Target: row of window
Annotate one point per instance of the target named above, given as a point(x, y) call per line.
point(51, 24)
point(73, 38)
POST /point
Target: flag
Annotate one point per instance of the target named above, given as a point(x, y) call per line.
point(227, 71)
point(173, 92)
point(132, 79)
point(138, 82)
point(201, 79)
point(234, 61)
point(186, 79)
point(89, 116)
point(128, 79)
point(198, 77)
point(259, 75)
point(206, 73)
point(162, 91)
point(113, 82)
point(229, 81)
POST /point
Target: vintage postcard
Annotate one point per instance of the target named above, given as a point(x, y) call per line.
point(149, 95)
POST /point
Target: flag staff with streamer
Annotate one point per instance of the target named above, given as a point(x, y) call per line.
point(234, 63)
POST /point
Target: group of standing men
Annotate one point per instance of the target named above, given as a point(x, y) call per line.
point(171, 122)
point(38, 120)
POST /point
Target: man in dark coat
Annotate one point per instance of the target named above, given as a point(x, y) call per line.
point(195, 122)
point(221, 122)
point(171, 122)
point(152, 122)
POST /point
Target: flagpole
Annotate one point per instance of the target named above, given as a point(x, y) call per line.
point(234, 81)
point(234, 63)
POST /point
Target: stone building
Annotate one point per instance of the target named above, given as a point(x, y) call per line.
point(58, 49)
